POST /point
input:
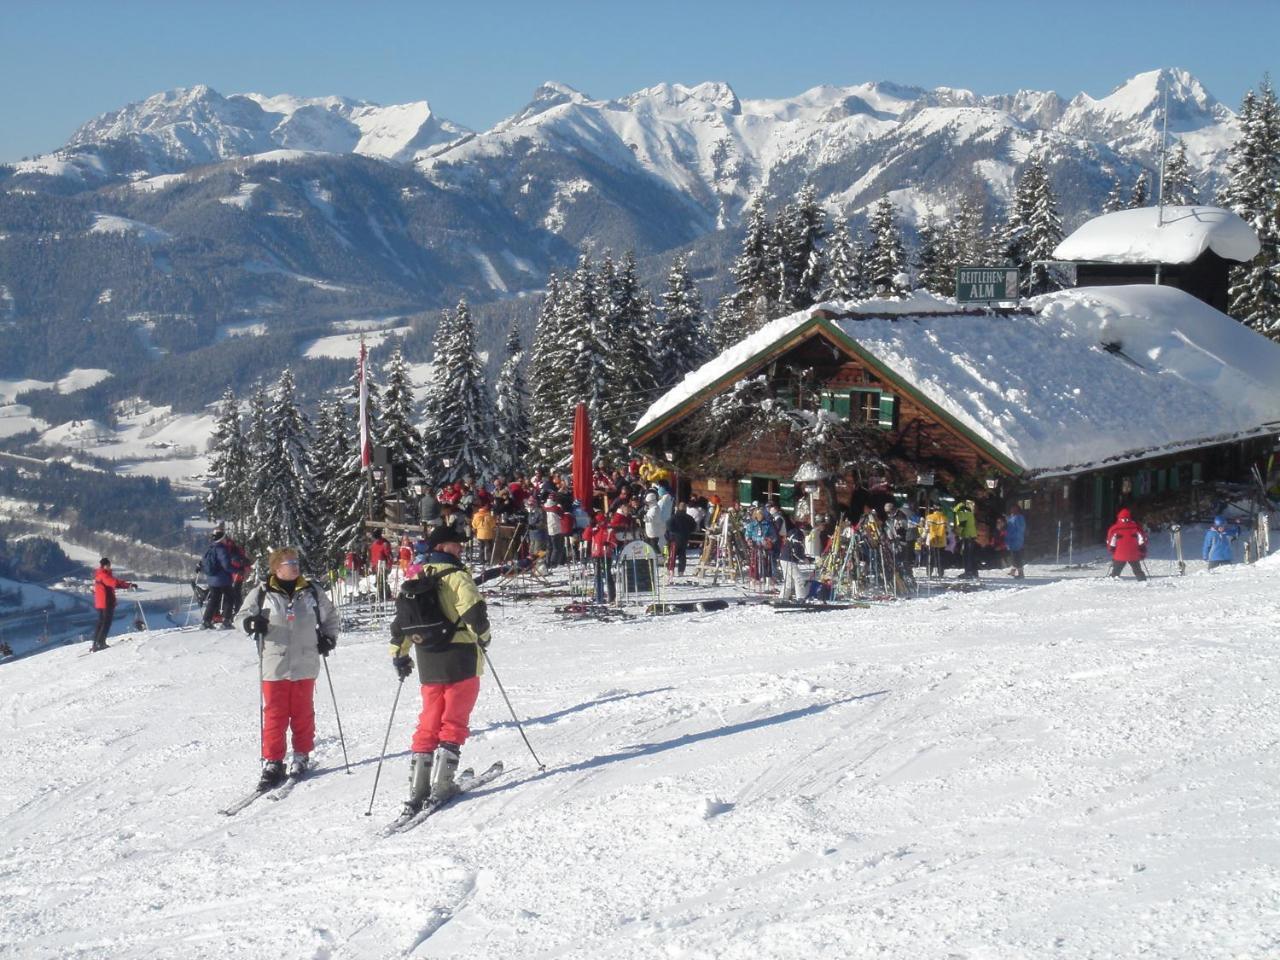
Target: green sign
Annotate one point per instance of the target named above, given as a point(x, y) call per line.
point(985, 284)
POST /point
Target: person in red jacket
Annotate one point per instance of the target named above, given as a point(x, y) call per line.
point(105, 586)
point(1127, 542)
point(380, 563)
point(603, 544)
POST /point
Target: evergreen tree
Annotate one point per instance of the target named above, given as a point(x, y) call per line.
point(1252, 192)
point(842, 281)
point(512, 451)
point(1116, 198)
point(591, 370)
point(285, 511)
point(1140, 193)
point(229, 467)
point(886, 255)
point(800, 232)
point(755, 273)
point(258, 447)
point(967, 242)
point(680, 338)
point(457, 440)
point(632, 322)
point(1179, 188)
point(934, 262)
point(548, 387)
point(340, 485)
point(726, 324)
point(1034, 228)
point(397, 431)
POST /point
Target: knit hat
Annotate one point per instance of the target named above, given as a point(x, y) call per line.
point(650, 497)
point(1218, 521)
point(104, 562)
point(443, 534)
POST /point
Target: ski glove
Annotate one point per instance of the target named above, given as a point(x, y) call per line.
point(403, 665)
point(256, 623)
point(484, 640)
point(325, 644)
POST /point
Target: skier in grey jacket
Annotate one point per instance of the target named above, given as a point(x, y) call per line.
point(294, 624)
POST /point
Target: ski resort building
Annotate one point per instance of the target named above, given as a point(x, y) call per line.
point(1191, 248)
point(1074, 404)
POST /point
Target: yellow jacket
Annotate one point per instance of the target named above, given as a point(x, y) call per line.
point(485, 524)
point(460, 603)
point(651, 473)
point(935, 528)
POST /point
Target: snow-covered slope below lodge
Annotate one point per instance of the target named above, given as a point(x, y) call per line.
point(1083, 768)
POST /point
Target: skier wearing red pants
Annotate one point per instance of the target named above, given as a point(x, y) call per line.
point(441, 616)
point(294, 625)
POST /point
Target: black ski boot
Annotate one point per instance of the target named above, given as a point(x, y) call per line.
point(419, 783)
point(272, 775)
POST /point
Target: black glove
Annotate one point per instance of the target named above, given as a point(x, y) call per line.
point(325, 644)
point(484, 640)
point(256, 623)
point(403, 665)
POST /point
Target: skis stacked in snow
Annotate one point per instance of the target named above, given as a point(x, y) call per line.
point(468, 780)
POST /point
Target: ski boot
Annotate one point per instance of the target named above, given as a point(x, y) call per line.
point(444, 769)
point(300, 765)
point(419, 783)
point(272, 775)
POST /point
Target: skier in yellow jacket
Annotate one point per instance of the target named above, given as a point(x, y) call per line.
point(935, 541)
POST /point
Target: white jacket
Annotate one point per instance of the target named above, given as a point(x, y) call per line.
point(289, 650)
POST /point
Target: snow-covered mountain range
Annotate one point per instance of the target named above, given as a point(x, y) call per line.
point(292, 210)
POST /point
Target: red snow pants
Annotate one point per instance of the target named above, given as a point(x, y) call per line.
point(446, 708)
point(288, 704)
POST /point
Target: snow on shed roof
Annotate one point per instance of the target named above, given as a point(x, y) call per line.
point(1143, 235)
point(1081, 377)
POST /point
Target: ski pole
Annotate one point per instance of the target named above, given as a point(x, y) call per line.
point(485, 654)
point(385, 741)
point(262, 709)
point(341, 739)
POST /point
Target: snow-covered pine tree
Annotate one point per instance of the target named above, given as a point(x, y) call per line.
point(548, 386)
point(512, 408)
point(591, 368)
point(967, 241)
point(1252, 192)
point(632, 322)
point(1116, 199)
point(1141, 192)
point(258, 449)
point(229, 467)
point(802, 233)
point(842, 281)
point(286, 510)
point(726, 324)
point(397, 431)
point(1044, 233)
point(1179, 187)
point(754, 272)
point(339, 482)
point(680, 337)
point(886, 255)
point(458, 439)
point(934, 270)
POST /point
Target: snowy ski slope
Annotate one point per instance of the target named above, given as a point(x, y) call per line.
point(1073, 768)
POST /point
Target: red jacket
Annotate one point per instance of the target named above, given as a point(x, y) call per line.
point(1126, 539)
point(104, 588)
point(604, 543)
point(379, 552)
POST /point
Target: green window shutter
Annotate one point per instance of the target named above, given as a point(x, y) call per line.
point(824, 400)
point(787, 496)
point(744, 490)
point(1173, 476)
point(888, 411)
point(841, 404)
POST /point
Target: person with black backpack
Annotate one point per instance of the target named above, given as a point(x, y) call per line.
point(219, 571)
point(442, 617)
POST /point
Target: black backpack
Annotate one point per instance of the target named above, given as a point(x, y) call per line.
point(419, 616)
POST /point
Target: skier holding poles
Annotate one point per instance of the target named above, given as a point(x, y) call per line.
point(294, 625)
point(441, 616)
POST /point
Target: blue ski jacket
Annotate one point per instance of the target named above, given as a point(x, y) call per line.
point(1015, 531)
point(1217, 544)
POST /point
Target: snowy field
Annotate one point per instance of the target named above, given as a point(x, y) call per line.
point(1063, 768)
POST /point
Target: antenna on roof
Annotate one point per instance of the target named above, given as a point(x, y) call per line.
point(1164, 149)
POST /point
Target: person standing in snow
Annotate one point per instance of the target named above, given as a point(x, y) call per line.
point(105, 585)
point(449, 664)
point(219, 571)
point(380, 563)
point(935, 541)
point(790, 555)
point(294, 625)
point(966, 524)
point(678, 533)
point(1015, 538)
point(1127, 542)
point(1217, 543)
point(655, 521)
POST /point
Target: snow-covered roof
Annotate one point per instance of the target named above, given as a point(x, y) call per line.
point(1079, 377)
point(1146, 235)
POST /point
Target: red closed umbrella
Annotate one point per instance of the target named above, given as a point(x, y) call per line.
point(582, 489)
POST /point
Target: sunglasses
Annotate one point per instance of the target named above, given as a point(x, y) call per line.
point(289, 563)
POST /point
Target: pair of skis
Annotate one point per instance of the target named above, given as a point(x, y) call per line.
point(274, 793)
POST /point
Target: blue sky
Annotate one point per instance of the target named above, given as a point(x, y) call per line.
point(62, 63)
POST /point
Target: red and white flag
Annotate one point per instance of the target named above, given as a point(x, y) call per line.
point(366, 450)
